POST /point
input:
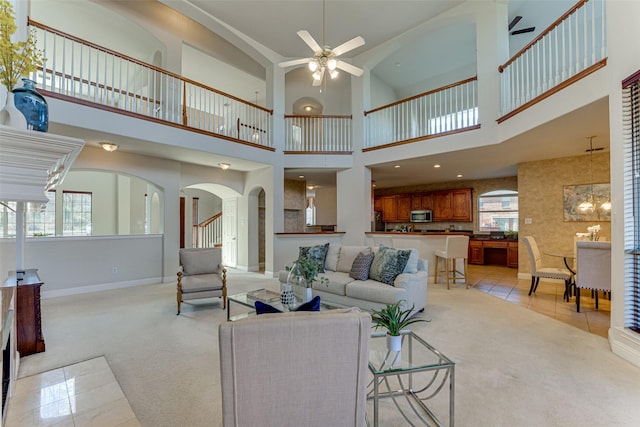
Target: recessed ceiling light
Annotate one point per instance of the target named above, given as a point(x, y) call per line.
point(436, 166)
point(310, 187)
point(301, 176)
point(396, 166)
point(459, 175)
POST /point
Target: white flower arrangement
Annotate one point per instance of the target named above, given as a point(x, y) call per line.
point(594, 232)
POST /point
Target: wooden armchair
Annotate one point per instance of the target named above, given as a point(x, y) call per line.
point(202, 275)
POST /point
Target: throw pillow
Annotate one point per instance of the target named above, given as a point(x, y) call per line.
point(317, 253)
point(361, 266)
point(313, 305)
point(412, 262)
point(331, 261)
point(388, 263)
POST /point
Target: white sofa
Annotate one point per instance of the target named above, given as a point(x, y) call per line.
point(343, 290)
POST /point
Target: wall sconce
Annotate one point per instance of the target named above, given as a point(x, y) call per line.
point(109, 146)
point(224, 166)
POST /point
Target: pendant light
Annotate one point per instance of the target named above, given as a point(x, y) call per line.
point(589, 205)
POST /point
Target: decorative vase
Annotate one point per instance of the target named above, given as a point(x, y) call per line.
point(33, 105)
point(307, 295)
point(11, 116)
point(298, 282)
point(287, 297)
point(394, 342)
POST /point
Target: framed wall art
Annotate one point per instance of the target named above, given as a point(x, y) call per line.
point(575, 195)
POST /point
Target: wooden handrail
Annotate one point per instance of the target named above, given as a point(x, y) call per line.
point(210, 220)
point(420, 95)
point(37, 24)
point(320, 116)
point(631, 79)
point(542, 34)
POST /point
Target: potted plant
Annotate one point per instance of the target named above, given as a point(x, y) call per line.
point(394, 319)
point(303, 272)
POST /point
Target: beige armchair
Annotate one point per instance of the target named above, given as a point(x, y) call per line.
point(295, 369)
point(202, 275)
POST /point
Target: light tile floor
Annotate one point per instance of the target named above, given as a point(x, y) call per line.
point(82, 394)
point(503, 282)
point(87, 393)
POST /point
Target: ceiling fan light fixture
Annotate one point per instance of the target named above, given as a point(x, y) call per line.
point(317, 74)
point(313, 65)
point(333, 74)
point(332, 64)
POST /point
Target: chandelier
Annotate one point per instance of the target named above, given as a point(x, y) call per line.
point(323, 61)
point(590, 205)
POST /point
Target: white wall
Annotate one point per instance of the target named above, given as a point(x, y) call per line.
point(326, 206)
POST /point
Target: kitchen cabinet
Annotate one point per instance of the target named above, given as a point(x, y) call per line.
point(421, 201)
point(452, 205)
point(396, 208)
point(476, 253)
point(500, 252)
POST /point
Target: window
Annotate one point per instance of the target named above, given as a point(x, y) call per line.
point(41, 218)
point(631, 153)
point(498, 211)
point(76, 213)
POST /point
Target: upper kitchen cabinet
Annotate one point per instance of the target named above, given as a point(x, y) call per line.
point(396, 208)
point(421, 201)
point(452, 205)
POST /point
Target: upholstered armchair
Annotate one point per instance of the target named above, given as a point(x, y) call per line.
point(295, 369)
point(202, 275)
point(594, 268)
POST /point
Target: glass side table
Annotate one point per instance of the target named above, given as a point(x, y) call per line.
point(410, 378)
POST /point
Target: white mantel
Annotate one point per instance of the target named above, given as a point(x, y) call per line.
point(32, 162)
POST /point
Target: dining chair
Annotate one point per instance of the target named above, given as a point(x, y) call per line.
point(538, 271)
point(594, 268)
point(456, 248)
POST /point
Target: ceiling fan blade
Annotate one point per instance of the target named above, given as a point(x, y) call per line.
point(294, 62)
point(347, 46)
point(351, 69)
point(514, 22)
point(524, 30)
point(310, 41)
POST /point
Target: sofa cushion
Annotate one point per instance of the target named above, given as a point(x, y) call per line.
point(313, 305)
point(336, 283)
point(331, 261)
point(200, 283)
point(412, 262)
point(361, 266)
point(317, 253)
point(371, 290)
point(347, 255)
point(388, 263)
point(200, 261)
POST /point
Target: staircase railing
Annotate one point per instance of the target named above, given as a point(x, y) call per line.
point(91, 73)
point(568, 50)
point(442, 111)
point(208, 233)
point(317, 134)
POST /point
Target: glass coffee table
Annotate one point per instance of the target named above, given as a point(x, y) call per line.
point(410, 378)
point(248, 300)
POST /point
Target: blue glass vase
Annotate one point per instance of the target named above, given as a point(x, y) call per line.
point(32, 105)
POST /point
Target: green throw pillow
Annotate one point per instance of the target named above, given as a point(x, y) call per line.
point(388, 264)
point(317, 253)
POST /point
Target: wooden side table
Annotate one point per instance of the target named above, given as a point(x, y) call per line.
point(29, 339)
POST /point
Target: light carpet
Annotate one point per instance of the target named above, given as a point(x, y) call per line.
point(514, 367)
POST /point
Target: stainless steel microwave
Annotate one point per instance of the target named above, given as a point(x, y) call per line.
point(421, 216)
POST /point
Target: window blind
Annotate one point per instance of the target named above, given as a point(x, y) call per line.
point(631, 151)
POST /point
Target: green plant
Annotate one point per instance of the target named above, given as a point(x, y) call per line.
point(309, 270)
point(16, 58)
point(393, 318)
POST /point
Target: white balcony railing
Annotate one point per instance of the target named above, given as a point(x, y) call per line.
point(445, 110)
point(82, 70)
point(573, 45)
point(318, 134)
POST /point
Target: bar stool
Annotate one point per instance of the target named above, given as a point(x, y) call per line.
point(456, 247)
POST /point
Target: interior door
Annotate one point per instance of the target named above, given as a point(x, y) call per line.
point(229, 233)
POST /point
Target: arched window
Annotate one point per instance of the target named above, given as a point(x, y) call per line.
point(498, 211)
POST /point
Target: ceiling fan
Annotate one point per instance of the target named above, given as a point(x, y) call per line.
point(515, 21)
point(325, 58)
